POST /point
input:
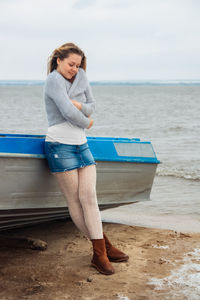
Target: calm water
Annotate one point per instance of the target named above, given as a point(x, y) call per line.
point(168, 116)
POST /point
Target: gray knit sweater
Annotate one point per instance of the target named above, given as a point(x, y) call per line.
point(57, 94)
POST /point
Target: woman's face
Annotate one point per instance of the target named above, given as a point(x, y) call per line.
point(68, 67)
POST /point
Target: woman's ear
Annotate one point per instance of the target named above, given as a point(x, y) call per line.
point(58, 61)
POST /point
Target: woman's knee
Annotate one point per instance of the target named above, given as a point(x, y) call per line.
point(88, 196)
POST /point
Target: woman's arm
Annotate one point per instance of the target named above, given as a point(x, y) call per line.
point(55, 88)
point(89, 107)
point(79, 106)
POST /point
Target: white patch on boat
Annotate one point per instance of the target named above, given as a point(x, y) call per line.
point(183, 282)
point(56, 155)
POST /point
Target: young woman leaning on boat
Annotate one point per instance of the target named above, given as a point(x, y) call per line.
point(69, 104)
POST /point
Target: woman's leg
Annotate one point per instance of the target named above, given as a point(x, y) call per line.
point(88, 200)
point(68, 182)
point(80, 186)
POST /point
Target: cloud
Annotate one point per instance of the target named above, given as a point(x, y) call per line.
point(122, 38)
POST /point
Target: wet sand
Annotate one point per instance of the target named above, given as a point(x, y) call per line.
point(63, 270)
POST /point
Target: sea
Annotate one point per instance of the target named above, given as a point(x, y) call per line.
point(167, 113)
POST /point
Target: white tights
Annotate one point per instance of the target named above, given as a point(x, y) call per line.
point(79, 189)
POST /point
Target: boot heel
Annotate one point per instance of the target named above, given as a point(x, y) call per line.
point(114, 254)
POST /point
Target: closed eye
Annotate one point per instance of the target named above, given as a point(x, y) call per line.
point(72, 65)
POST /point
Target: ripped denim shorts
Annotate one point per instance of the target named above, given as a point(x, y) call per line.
point(65, 157)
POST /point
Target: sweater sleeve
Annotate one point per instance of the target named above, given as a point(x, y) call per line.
point(55, 89)
point(89, 107)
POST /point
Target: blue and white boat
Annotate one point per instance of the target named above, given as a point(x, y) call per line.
point(30, 194)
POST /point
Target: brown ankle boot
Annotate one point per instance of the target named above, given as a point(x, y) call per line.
point(100, 260)
point(113, 253)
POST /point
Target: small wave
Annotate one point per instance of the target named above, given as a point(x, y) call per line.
point(176, 128)
point(179, 173)
point(183, 282)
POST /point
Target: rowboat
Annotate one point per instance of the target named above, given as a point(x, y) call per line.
point(30, 194)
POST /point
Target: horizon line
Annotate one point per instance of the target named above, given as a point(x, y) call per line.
point(10, 82)
point(145, 79)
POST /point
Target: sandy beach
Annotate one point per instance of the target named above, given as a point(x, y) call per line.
point(63, 270)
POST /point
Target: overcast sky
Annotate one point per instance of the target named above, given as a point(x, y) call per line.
point(122, 39)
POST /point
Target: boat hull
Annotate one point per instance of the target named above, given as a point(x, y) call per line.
point(30, 193)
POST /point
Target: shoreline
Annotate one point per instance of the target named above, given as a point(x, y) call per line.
point(63, 270)
point(173, 205)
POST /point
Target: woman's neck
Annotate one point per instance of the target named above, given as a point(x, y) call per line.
point(71, 80)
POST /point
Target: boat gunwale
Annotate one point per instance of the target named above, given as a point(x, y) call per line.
point(113, 140)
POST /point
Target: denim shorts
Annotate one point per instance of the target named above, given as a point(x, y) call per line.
point(65, 157)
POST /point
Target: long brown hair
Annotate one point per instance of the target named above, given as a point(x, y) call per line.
point(63, 52)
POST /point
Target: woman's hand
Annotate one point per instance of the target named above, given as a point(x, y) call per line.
point(91, 123)
point(77, 104)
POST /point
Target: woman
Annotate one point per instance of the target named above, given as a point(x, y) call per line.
point(69, 103)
